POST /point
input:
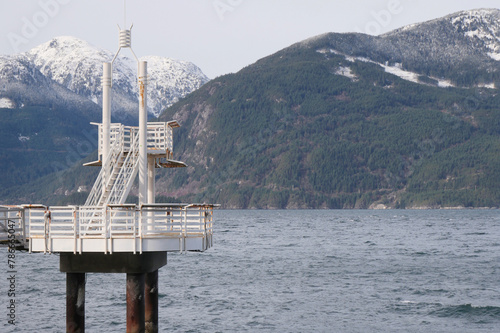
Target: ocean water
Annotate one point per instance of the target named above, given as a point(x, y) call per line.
point(298, 271)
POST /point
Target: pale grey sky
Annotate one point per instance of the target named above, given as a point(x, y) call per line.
point(220, 36)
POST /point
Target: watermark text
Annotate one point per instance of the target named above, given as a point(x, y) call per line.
point(11, 272)
point(32, 24)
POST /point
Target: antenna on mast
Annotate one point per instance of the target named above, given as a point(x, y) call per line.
point(125, 42)
point(125, 35)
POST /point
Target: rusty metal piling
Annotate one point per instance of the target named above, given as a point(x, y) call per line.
point(151, 302)
point(75, 302)
point(135, 303)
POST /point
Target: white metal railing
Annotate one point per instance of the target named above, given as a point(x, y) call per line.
point(63, 223)
point(159, 136)
point(122, 221)
point(92, 221)
point(122, 162)
point(123, 174)
point(125, 221)
point(121, 165)
point(38, 219)
point(12, 223)
point(110, 164)
point(160, 219)
point(127, 135)
point(116, 134)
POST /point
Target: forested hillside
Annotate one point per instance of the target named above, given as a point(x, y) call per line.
point(291, 132)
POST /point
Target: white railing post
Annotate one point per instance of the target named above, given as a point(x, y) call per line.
point(185, 228)
point(46, 230)
point(75, 228)
point(105, 224)
point(23, 225)
point(29, 227)
point(137, 219)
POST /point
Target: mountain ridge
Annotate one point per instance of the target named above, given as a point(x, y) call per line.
point(77, 65)
point(455, 47)
point(344, 121)
point(348, 121)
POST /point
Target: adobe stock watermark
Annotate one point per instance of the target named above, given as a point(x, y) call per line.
point(382, 18)
point(32, 24)
point(222, 7)
point(12, 273)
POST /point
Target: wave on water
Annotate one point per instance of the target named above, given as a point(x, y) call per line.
point(476, 314)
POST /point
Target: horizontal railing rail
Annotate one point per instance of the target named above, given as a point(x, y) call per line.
point(120, 221)
point(159, 136)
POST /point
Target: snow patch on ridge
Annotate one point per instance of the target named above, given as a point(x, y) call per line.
point(487, 85)
point(347, 72)
point(397, 70)
point(445, 84)
point(6, 103)
point(400, 72)
point(494, 56)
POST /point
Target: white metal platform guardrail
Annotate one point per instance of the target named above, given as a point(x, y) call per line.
point(114, 228)
point(159, 136)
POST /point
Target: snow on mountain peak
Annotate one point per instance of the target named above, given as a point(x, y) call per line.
point(462, 49)
point(482, 26)
point(77, 65)
point(170, 80)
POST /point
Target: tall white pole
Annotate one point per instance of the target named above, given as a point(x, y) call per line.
point(151, 179)
point(106, 117)
point(143, 132)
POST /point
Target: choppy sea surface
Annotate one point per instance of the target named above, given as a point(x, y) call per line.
point(298, 271)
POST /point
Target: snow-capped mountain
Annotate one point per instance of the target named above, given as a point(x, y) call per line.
point(461, 49)
point(22, 83)
point(480, 28)
point(77, 66)
point(170, 80)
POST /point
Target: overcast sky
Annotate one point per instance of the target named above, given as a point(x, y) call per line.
point(219, 36)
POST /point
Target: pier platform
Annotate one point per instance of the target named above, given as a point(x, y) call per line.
point(112, 228)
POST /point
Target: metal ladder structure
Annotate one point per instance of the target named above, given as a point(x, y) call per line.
point(115, 179)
